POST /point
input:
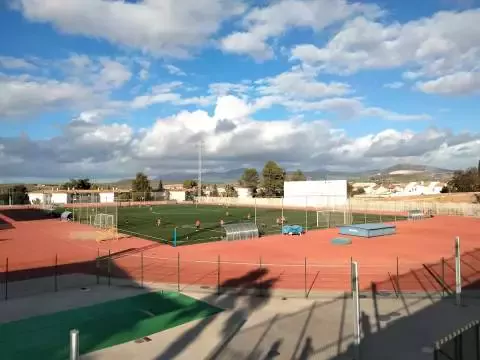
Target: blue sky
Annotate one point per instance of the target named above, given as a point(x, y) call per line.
point(104, 89)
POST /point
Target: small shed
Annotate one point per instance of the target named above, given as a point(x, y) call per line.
point(66, 216)
point(241, 231)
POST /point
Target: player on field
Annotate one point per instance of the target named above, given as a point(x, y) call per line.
point(197, 224)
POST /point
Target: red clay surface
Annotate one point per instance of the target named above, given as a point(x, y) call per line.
point(419, 247)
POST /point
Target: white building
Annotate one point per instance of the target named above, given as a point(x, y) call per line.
point(323, 193)
point(36, 197)
point(107, 197)
point(59, 198)
point(178, 195)
point(244, 193)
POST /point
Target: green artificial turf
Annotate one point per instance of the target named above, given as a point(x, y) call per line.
point(100, 326)
point(141, 220)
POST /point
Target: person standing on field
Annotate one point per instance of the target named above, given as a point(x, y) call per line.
point(197, 224)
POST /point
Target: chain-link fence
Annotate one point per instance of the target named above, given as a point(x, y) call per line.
point(396, 278)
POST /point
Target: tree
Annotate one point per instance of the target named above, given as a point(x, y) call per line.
point(465, 181)
point(273, 177)
point(250, 179)
point(19, 195)
point(349, 189)
point(141, 187)
point(230, 191)
point(190, 184)
point(78, 184)
point(160, 187)
point(298, 176)
point(214, 191)
point(358, 191)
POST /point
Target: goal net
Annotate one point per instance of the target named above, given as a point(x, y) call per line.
point(103, 221)
point(332, 218)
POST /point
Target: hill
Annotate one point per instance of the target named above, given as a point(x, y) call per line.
point(396, 173)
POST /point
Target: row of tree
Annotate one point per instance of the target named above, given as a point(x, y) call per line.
point(14, 195)
point(464, 181)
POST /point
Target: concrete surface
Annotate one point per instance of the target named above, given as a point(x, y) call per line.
point(275, 327)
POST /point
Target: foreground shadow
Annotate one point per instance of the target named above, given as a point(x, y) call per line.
point(106, 271)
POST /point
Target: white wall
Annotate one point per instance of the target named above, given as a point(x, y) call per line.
point(323, 193)
point(107, 197)
point(244, 192)
point(59, 198)
point(177, 195)
point(36, 196)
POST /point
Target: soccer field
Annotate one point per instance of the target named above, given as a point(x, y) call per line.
point(141, 221)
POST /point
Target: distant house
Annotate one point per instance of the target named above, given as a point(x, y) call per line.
point(177, 195)
point(243, 192)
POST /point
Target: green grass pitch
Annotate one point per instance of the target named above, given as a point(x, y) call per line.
point(141, 221)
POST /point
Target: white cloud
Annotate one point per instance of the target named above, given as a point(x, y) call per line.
point(12, 63)
point(220, 89)
point(264, 23)
point(442, 45)
point(27, 97)
point(143, 74)
point(173, 70)
point(78, 82)
point(160, 27)
point(165, 93)
point(101, 73)
point(394, 85)
point(88, 147)
point(454, 84)
point(300, 84)
point(348, 108)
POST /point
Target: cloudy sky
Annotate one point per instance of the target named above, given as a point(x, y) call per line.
point(103, 89)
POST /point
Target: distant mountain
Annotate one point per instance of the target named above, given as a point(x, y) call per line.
point(399, 172)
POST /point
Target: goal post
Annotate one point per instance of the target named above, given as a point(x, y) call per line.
point(323, 218)
point(331, 218)
point(103, 221)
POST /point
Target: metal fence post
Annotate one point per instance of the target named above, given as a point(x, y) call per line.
point(356, 307)
point(178, 272)
point(74, 345)
point(305, 279)
point(55, 269)
point(458, 275)
point(255, 204)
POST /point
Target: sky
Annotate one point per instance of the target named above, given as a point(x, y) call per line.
point(104, 89)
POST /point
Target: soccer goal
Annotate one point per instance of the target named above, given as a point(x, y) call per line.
point(102, 221)
point(332, 218)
